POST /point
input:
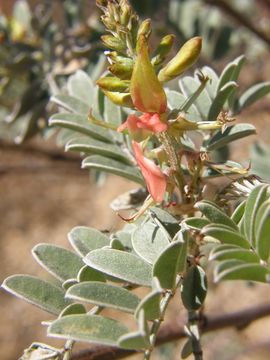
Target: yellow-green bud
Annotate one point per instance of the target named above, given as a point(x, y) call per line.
point(145, 29)
point(122, 71)
point(111, 42)
point(183, 60)
point(126, 12)
point(113, 84)
point(163, 49)
point(121, 99)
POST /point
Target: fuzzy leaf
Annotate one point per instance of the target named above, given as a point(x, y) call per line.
point(196, 223)
point(253, 94)
point(92, 146)
point(71, 103)
point(60, 262)
point(215, 214)
point(238, 213)
point(85, 239)
point(104, 295)
point(249, 272)
point(238, 254)
point(80, 124)
point(220, 99)
point(151, 306)
point(38, 292)
point(194, 288)
point(263, 232)
point(88, 274)
point(121, 265)
point(89, 328)
point(257, 196)
point(225, 235)
point(188, 86)
point(170, 262)
point(81, 87)
point(114, 167)
point(73, 309)
point(232, 133)
point(149, 241)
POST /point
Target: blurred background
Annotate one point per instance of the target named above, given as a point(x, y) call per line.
point(43, 191)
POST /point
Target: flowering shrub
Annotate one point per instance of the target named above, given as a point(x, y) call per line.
point(164, 140)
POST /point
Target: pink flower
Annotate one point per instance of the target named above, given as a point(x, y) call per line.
point(140, 127)
point(156, 181)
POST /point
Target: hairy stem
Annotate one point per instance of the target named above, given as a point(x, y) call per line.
point(194, 335)
point(157, 323)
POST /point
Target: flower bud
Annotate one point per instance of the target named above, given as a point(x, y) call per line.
point(113, 43)
point(121, 99)
point(126, 12)
point(114, 84)
point(146, 91)
point(122, 71)
point(163, 49)
point(145, 29)
point(184, 59)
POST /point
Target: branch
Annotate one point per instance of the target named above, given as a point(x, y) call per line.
point(172, 332)
point(239, 18)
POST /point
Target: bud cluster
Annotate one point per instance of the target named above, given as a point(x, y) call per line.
point(136, 80)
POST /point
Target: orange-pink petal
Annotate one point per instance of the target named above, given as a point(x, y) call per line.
point(156, 181)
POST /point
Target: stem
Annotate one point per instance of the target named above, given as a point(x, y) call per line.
point(157, 323)
point(194, 335)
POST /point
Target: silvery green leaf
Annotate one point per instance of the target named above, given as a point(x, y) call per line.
point(175, 99)
point(256, 198)
point(71, 103)
point(80, 124)
point(138, 339)
point(115, 167)
point(121, 265)
point(262, 231)
point(226, 235)
point(169, 222)
point(81, 87)
point(92, 146)
point(89, 328)
point(151, 305)
point(215, 214)
point(60, 262)
point(226, 75)
point(169, 263)
point(89, 274)
point(244, 255)
point(113, 115)
point(85, 239)
point(73, 309)
point(254, 93)
point(238, 213)
point(196, 223)
point(220, 99)
point(231, 133)
point(189, 86)
point(243, 271)
point(105, 295)
point(194, 288)
point(38, 292)
point(149, 241)
point(211, 85)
